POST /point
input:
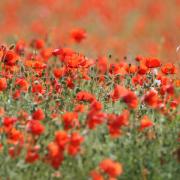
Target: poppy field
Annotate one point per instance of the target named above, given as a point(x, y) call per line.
point(89, 90)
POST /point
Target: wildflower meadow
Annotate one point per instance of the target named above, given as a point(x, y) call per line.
point(89, 90)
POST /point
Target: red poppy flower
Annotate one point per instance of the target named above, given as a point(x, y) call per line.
point(20, 47)
point(53, 150)
point(61, 138)
point(15, 137)
point(116, 69)
point(153, 62)
point(16, 95)
point(1, 54)
point(14, 151)
point(131, 99)
point(38, 114)
point(174, 104)
point(46, 54)
point(10, 58)
point(79, 108)
point(56, 162)
point(110, 167)
point(168, 68)
point(151, 98)
point(142, 69)
point(64, 53)
point(35, 127)
point(131, 69)
point(95, 118)
point(37, 88)
point(95, 175)
point(138, 80)
point(78, 34)
point(38, 43)
point(1, 147)
point(74, 145)
point(139, 58)
point(70, 120)
point(85, 96)
point(118, 92)
point(8, 121)
point(59, 72)
point(102, 64)
point(75, 61)
point(38, 65)
point(55, 155)
point(70, 83)
point(145, 123)
point(115, 122)
point(56, 52)
point(170, 89)
point(3, 84)
point(22, 84)
point(2, 111)
point(32, 155)
point(96, 106)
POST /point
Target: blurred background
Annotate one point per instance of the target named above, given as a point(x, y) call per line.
point(117, 27)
